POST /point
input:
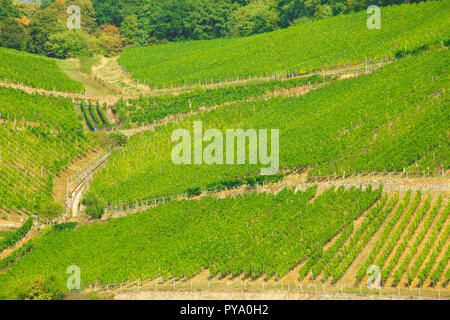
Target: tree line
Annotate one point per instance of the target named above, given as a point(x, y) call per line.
point(108, 26)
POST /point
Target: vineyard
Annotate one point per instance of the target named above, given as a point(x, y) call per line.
point(218, 232)
point(398, 121)
point(39, 137)
point(327, 43)
point(35, 71)
point(151, 109)
point(407, 225)
point(256, 236)
point(94, 115)
point(350, 104)
point(12, 238)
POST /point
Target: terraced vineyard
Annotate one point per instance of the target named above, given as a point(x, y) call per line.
point(327, 43)
point(397, 122)
point(397, 228)
point(218, 232)
point(137, 215)
point(11, 238)
point(219, 240)
point(94, 115)
point(151, 109)
point(35, 71)
point(39, 137)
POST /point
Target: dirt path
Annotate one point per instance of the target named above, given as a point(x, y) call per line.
point(60, 181)
point(79, 182)
point(348, 278)
point(95, 68)
point(61, 186)
point(72, 68)
point(11, 220)
point(440, 256)
point(109, 100)
point(414, 237)
point(308, 278)
point(109, 71)
point(180, 116)
point(415, 282)
point(202, 286)
point(405, 232)
point(113, 75)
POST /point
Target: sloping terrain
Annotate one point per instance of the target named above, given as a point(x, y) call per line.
point(324, 219)
point(327, 43)
point(35, 71)
point(389, 120)
point(39, 136)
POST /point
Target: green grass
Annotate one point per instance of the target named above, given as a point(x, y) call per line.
point(253, 234)
point(327, 43)
point(35, 71)
point(392, 119)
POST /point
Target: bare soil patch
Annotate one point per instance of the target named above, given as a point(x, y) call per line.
point(60, 181)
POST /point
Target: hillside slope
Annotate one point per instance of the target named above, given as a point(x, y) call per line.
point(219, 234)
point(39, 136)
point(331, 42)
point(35, 71)
point(391, 119)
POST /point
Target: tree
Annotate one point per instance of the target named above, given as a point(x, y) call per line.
point(66, 44)
point(323, 11)
point(256, 17)
point(107, 12)
point(43, 24)
point(88, 15)
point(166, 20)
point(13, 34)
point(188, 19)
point(289, 10)
point(310, 7)
point(129, 29)
point(207, 20)
point(95, 206)
point(8, 10)
point(40, 289)
point(110, 40)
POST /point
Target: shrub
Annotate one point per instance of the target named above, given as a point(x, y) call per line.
point(40, 289)
point(119, 138)
point(103, 138)
point(65, 226)
point(95, 206)
point(50, 209)
point(193, 192)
